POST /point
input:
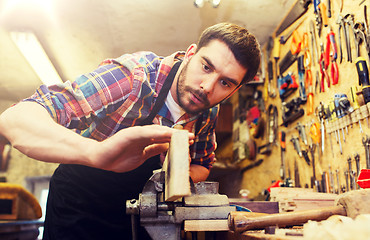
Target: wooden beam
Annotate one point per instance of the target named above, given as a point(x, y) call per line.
point(177, 167)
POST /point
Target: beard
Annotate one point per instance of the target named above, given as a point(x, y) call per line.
point(183, 91)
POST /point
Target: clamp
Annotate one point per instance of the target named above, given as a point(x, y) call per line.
point(164, 220)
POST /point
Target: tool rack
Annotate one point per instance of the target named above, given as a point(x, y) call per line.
point(336, 166)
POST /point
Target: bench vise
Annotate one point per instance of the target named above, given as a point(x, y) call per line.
point(164, 220)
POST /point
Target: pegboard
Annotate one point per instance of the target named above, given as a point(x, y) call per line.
point(333, 160)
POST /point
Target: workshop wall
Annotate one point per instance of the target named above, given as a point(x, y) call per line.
point(333, 160)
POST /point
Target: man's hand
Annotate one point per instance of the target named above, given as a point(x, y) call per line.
point(39, 137)
point(130, 147)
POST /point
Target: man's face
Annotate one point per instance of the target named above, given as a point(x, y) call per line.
point(208, 77)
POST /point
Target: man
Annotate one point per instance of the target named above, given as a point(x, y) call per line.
point(103, 159)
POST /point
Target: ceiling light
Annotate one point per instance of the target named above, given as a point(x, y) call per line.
point(215, 3)
point(35, 55)
point(200, 3)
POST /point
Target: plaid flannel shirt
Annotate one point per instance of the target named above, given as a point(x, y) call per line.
point(117, 95)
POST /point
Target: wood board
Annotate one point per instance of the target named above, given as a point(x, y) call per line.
point(177, 167)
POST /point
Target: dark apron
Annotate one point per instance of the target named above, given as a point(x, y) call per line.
point(89, 203)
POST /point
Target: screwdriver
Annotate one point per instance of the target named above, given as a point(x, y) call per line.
point(329, 124)
point(321, 115)
point(347, 109)
point(339, 114)
point(343, 107)
point(335, 122)
point(363, 77)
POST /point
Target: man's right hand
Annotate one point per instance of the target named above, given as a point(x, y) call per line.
point(130, 147)
point(31, 130)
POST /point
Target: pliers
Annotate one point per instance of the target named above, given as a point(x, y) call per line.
point(331, 53)
point(323, 67)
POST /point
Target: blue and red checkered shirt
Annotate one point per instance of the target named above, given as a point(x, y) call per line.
point(120, 93)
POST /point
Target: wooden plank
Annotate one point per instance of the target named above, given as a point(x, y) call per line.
point(177, 167)
point(205, 225)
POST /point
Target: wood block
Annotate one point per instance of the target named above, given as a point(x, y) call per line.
point(299, 199)
point(177, 167)
point(205, 225)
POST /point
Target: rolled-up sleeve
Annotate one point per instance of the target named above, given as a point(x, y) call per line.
point(203, 149)
point(89, 98)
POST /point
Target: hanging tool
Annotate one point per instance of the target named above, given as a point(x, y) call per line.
point(366, 143)
point(297, 182)
point(287, 85)
point(287, 61)
point(302, 132)
point(351, 182)
point(297, 146)
point(339, 113)
point(348, 18)
point(320, 113)
point(282, 149)
point(310, 99)
point(367, 32)
point(323, 12)
point(363, 78)
point(283, 38)
point(325, 182)
point(315, 135)
point(298, 9)
point(331, 50)
point(276, 55)
point(291, 111)
point(318, 17)
point(323, 68)
point(313, 41)
point(329, 124)
point(301, 72)
point(334, 119)
point(359, 32)
point(346, 176)
point(315, 184)
point(341, 23)
point(272, 126)
point(296, 44)
point(357, 160)
point(345, 105)
point(308, 74)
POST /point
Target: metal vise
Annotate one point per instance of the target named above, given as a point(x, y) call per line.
point(163, 220)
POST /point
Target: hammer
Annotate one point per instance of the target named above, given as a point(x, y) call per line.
point(348, 204)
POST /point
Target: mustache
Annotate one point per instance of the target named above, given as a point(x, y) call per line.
point(199, 94)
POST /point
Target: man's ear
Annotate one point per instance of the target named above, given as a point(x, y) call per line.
point(190, 51)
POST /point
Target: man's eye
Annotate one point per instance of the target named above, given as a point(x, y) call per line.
point(225, 83)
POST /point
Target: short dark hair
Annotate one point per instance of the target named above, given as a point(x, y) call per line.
point(240, 41)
